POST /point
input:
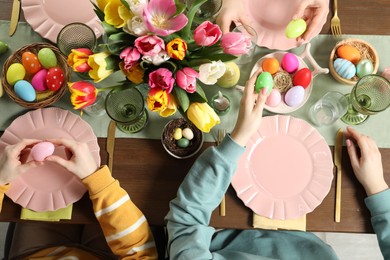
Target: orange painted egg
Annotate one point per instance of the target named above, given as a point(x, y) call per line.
point(270, 65)
point(350, 53)
point(30, 62)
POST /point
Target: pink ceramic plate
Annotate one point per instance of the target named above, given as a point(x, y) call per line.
point(48, 187)
point(270, 18)
point(48, 17)
point(286, 171)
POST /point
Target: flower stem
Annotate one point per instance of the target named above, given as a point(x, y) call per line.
point(190, 15)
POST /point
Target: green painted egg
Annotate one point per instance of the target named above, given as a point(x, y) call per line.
point(183, 143)
point(47, 58)
point(295, 28)
point(264, 80)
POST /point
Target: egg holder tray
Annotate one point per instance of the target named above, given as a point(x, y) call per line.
point(283, 108)
point(47, 97)
point(366, 51)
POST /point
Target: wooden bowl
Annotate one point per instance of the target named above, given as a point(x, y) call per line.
point(366, 52)
point(44, 98)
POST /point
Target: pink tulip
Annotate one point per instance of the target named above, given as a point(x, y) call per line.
point(186, 79)
point(159, 17)
point(149, 45)
point(162, 78)
point(207, 34)
point(130, 57)
point(235, 43)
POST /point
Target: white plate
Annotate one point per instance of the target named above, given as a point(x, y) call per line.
point(48, 17)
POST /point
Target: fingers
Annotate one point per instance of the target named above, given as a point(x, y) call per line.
point(352, 152)
point(301, 10)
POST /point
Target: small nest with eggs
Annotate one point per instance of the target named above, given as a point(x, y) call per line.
point(44, 98)
point(170, 144)
point(366, 51)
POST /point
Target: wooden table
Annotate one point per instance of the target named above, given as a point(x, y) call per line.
point(152, 177)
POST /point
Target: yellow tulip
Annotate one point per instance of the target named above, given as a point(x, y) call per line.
point(202, 116)
point(115, 13)
point(135, 74)
point(98, 65)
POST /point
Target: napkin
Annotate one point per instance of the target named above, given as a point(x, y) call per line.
point(57, 215)
point(275, 224)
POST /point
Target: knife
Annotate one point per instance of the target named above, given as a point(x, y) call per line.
point(111, 143)
point(14, 17)
point(337, 162)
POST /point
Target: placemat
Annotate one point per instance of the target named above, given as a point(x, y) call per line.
point(376, 126)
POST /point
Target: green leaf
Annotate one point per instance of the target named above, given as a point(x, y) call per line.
point(118, 41)
point(109, 29)
point(124, 2)
point(182, 98)
point(99, 13)
point(199, 95)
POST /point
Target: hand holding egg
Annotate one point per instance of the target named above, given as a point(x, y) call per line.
point(41, 150)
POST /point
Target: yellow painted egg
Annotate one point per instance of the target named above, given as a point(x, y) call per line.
point(30, 62)
point(177, 133)
point(350, 53)
point(270, 65)
point(15, 73)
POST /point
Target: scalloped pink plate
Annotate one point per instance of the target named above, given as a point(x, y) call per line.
point(286, 171)
point(270, 19)
point(48, 17)
point(48, 187)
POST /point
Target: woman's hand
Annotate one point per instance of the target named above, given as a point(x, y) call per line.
point(366, 164)
point(12, 160)
point(81, 163)
point(232, 11)
point(251, 112)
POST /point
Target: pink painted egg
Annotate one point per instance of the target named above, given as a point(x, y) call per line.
point(39, 80)
point(302, 78)
point(274, 98)
point(290, 62)
point(42, 150)
point(54, 79)
point(30, 62)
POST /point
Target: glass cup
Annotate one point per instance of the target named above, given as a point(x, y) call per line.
point(75, 35)
point(249, 31)
point(328, 109)
point(98, 108)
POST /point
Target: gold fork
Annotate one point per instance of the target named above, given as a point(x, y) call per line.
point(221, 134)
point(335, 26)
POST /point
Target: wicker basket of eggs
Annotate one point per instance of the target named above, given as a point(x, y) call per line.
point(35, 76)
point(351, 59)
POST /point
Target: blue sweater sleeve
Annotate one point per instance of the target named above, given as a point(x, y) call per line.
point(199, 194)
point(379, 206)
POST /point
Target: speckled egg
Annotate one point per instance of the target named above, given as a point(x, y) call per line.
point(30, 62)
point(54, 79)
point(177, 133)
point(348, 52)
point(183, 143)
point(344, 68)
point(188, 134)
point(39, 80)
point(290, 62)
point(15, 73)
point(274, 98)
point(270, 65)
point(302, 78)
point(264, 80)
point(294, 96)
point(24, 90)
point(47, 58)
point(364, 67)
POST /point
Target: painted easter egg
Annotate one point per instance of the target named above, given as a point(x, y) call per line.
point(270, 65)
point(295, 28)
point(349, 52)
point(274, 98)
point(302, 78)
point(183, 143)
point(344, 68)
point(30, 62)
point(47, 58)
point(290, 62)
point(364, 67)
point(188, 133)
point(264, 80)
point(54, 79)
point(39, 80)
point(15, 73)
point(42, 150)
point(294, 96)
point(24, 90)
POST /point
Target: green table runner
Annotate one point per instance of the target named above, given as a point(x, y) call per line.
point(376, 126)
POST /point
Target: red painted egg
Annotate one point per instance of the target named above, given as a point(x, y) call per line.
point(30, 62)
point(54, 79)
point(302, 78)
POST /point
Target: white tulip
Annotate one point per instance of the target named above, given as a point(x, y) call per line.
point(209, 73)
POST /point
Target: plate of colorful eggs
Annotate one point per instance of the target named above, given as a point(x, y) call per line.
point(288, 79)
point(36, 75)
point(352, 59)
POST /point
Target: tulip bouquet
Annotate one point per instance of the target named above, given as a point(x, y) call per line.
point(155, 42)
